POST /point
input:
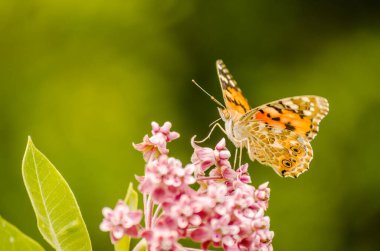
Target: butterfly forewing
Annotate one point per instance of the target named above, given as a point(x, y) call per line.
point(232, 95)
point(301, 115)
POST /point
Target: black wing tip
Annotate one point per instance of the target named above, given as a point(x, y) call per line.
point(220, 64)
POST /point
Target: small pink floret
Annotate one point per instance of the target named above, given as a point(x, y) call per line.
point(163, 236)
point(155, 145)
point(120, 221)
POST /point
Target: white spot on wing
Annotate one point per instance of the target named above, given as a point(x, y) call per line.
point(301, 140)
point(307, 113)
point(277, 130)
point(293, 107)
point(277, 145)
point(223, 78)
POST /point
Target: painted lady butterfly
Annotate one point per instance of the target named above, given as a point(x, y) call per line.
point(276, 134)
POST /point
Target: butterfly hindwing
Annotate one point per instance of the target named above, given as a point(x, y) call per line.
point(232, 95)
point(288, 153)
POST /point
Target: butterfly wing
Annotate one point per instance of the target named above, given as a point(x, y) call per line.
point(279, 133)
point(301, 114)
point(288, 153)
point(232, 95)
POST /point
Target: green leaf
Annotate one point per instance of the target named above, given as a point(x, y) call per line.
point(131, 199)
point(141, 246)
point(12, 238)
point(58, 216)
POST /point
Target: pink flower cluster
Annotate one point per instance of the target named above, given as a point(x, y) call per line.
point(225, 211)
point(234, 220)
point(204, 158)
point(165, 178)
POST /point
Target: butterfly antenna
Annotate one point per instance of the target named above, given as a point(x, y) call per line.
point(212, 97)
point(214, 122)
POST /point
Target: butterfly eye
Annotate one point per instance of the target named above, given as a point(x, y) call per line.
point(287, 163)
point(226, 114)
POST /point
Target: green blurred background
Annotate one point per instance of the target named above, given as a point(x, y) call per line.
point(86, 78)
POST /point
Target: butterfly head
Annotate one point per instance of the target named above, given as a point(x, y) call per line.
point(224, 114)
point(228, 114)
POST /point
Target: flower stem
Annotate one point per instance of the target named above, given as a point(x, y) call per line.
point(156, 214)
point(149, 211)
point(195, 249)
point(145, 207)
point(209, 178)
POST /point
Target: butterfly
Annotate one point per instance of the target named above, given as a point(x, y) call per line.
point(276, 134)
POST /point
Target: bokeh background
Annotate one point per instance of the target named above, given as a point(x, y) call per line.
point(86, 78)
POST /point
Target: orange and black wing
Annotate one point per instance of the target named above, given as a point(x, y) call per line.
point(279, 133)
point(301, 114)
point(232, 95)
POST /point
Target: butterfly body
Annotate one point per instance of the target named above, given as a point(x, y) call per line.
point(233, 132)
point(276, 134)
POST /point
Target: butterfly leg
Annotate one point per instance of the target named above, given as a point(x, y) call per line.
point(236, 153)
point(249, 149)
point(250, 153)
point(241, 146)
point(241, 153)
point(209, 135)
